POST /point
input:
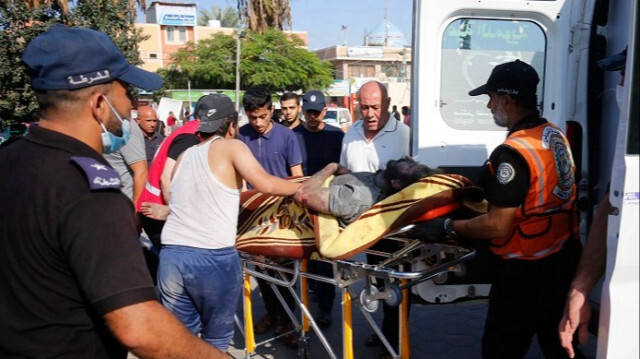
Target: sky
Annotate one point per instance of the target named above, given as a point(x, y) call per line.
point(323, 19)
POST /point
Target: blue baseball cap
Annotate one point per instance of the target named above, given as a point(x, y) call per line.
point(313, 100)
point(614, 62)
point(69, 58)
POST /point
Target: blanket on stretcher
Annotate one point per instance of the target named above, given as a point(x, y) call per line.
point(279, 227)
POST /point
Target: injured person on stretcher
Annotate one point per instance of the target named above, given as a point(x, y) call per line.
point(337, 214)
point(351, 194)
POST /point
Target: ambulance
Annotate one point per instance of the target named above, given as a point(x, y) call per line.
point(456, 44)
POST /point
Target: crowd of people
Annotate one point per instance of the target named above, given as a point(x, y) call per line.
point(88, 181)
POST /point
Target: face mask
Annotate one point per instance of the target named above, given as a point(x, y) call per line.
point(110, 142)
point(620, 96)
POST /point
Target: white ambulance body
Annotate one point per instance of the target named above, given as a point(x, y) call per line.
point(458, 42)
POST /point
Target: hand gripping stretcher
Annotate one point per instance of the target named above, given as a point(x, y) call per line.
point(272, 228)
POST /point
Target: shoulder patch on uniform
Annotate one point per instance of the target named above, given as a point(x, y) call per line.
point(505, 173)
point(99, 175)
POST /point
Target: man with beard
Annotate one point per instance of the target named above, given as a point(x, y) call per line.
point(320, 144)
point(290, 107)
point(531, 223)
point(73, 282)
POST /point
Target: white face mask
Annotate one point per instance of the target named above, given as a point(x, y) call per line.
point(620, 96)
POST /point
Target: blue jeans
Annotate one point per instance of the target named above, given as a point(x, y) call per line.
point(201, 288)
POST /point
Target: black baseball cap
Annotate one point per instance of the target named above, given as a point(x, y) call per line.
point(68, 58)
point(211, 110)
point(517, 79)
point(614, 62)
point(313, 100)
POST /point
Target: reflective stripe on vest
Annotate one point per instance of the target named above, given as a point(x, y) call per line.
point(547, 218)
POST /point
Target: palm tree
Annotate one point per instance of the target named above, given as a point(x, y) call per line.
point(261, 15)
point(228, 17)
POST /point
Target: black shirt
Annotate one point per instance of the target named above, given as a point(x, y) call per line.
point(69, 249)
point(509, 184)
point(151, 145)
point(181, 143)
point(320, 148)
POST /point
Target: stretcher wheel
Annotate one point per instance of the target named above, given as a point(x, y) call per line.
point(395, 296)
point(368, 304)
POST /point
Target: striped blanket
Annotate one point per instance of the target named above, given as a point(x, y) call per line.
point(277, 226)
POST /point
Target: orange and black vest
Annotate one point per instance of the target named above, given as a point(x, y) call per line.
point(547, 218)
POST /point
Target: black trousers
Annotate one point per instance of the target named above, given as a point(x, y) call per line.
point(153, 229)
point(527, 298)
point(271, 302)
point(325, 292)
point(391, 317)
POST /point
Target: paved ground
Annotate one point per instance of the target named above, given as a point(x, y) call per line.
point(438, 331)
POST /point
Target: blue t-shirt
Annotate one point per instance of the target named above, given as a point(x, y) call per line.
point(277, 150)
point(320, 148)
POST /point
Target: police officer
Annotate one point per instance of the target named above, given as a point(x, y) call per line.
point(72, 278)
point(531, 222)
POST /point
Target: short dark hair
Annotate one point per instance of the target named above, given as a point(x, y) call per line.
point(407, 171)
point(226, 122)
point(289, 96)
point(255, 98)
point(51, 98)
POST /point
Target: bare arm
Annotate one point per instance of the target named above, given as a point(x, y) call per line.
point(312, 195)
point(250, 169)
point(165, 178)
point(296, 171)
point(149, 331)
point(495, 223)
point(140, 173)
point(592, 266)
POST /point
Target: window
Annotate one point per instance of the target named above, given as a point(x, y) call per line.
point(182, 34)
point(471, 48)
point(153, 55)
point(171, 36)
point(362, 71)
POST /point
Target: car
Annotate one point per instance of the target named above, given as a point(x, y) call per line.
point(338, 117)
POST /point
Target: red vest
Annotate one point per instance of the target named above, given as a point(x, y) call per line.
point(151, 191)
point(547, 218)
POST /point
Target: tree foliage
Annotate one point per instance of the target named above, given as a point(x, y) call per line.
point(272, 59)
point(261, 15)
point(21, 23)
point(228, 16)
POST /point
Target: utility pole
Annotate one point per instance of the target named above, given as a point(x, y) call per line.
point(238, 67)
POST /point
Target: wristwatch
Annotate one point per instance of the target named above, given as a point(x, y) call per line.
point(448, 228)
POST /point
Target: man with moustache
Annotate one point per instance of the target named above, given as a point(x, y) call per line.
point(532, 221)
point(368, 146)
point(73, 282)
point(370, 143)
point(148, 123)
point(290, 107)
point(320, 145)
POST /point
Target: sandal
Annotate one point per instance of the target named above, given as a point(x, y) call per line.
point(264, 324)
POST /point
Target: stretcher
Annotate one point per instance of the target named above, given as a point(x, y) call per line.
point(277, 234)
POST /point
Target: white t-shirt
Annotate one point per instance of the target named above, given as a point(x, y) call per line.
point(360, 155)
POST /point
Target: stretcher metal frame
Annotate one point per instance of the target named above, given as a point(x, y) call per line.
point(394, 291)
